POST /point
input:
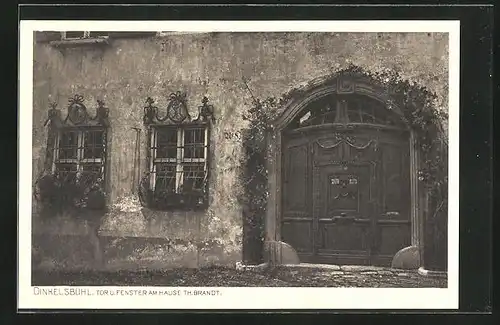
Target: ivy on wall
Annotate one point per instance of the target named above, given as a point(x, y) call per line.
point(419, 111)
point(255, 177)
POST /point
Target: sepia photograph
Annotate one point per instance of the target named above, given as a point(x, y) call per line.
point(181, 161)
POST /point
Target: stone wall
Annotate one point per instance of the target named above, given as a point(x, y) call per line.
point(128, 70)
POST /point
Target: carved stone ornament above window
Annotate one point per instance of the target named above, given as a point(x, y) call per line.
point(177, 112)
point(77, 114)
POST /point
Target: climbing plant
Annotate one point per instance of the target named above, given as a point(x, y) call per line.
point(255, 176)
point(58, 195)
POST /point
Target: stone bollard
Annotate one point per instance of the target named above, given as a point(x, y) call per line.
point(407, 258)
point(278, 252)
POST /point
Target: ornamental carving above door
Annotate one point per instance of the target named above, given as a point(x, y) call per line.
point(344, 191)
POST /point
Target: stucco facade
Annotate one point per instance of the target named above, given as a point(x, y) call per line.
point(126, 71)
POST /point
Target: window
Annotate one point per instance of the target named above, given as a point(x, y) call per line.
point(70, 39)
point(178, 155)
point(348, 110)
point(179, 159)
point(80, 153)
point(69, 35)
point(74, 35)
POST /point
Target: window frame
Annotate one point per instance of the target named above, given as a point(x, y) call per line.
point(184, 195)
point(179, 160)
point(80, 161)
point(86, 34)
point(64, 36)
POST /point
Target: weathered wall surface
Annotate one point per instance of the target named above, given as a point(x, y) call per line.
point(127, 71)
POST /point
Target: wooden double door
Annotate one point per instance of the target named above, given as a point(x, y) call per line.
point(346, 197)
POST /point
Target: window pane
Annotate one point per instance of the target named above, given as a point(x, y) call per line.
point(165, 177)
point(194, 136)
point(194, 143)
point(194, 151)
point(330, 117)
point(166, 141)
point(93, 144)
point(305, 117)
point(355, 113)
point(74, 34)
point(367, 110)
point(354, 117)
point(68, 144)
point(368, 118)
point(194, 176)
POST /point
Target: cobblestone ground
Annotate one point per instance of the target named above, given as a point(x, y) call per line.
point(298, 276)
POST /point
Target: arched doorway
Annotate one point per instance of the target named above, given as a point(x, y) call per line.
point(344, 177)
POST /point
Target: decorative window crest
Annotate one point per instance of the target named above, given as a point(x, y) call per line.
point(77, 114)
point(177, 111)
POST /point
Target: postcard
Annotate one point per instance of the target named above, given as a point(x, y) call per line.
point(238, 164)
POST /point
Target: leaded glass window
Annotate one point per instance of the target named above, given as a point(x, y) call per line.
point(79, 154)
point(179, 159)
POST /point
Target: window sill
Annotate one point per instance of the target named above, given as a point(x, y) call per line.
point(167, 34)
point(174, 202)
point(176, 208)
point(165, 205)
point(77, 42)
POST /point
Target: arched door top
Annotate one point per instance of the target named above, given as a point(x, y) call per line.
point(339, 86)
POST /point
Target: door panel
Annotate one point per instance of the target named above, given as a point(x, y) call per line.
point(338, 238)
point(297, 222)
point(299, 234)
point(346, 197)
point(395, 182)
point(296, 179)
point(342, 210)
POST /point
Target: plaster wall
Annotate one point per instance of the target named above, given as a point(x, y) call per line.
point(127, 71)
